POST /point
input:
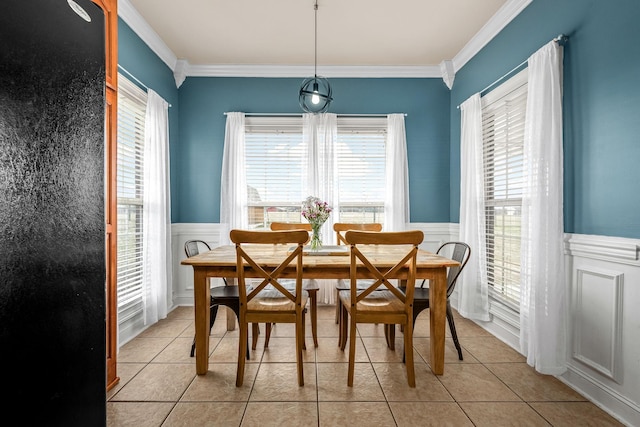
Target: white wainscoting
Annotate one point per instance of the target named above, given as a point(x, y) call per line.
point(603, 279)
point(604, 363)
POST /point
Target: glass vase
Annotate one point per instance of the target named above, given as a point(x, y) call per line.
point(316, 237)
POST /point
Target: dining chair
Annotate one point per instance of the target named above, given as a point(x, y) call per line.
point(311, 286)
point(457, 251)
point(372, 305)
point(220, 295)
point(275, 304)
point(340, 228)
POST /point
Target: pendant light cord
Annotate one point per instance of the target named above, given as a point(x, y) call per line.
point(315, 59)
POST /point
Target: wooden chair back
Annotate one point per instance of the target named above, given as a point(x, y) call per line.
point(358, 238)
point(342, 227)
point(282, 226)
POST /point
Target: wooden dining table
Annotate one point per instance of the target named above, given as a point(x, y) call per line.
point(221, 262)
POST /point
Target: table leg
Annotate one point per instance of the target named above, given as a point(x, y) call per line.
point(437, 318)
point(202, 297)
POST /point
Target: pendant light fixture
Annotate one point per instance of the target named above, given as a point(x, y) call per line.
point(315, 92)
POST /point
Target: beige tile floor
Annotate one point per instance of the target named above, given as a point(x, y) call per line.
point(493, 386)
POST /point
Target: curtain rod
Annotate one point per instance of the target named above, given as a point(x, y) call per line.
point(560, 39)
point(300, 115)
point(135, 78)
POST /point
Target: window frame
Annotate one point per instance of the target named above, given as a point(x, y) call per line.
point(362, 211)
point(132, 102)
point(505, 108)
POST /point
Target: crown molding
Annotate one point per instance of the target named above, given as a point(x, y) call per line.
point(139, 25)
point(183, 69)
point(501, 19)
point(303, 71)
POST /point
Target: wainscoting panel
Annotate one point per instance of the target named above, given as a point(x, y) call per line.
point(597, 320)
point(605, 323)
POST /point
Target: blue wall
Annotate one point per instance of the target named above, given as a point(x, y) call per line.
point(601, 105)
point(136, 57)
point(601, 112)
point(204, 100)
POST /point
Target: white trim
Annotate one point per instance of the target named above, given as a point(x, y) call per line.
point(137, 23)
point(501, 19)
point(600, 394)
point(303, 71)
point(613, 249)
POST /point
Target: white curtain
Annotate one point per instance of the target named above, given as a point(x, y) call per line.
point(543, 309)
point(233, 181)
point(396, 204)
point(156, 214)
point(472, 287)
point(320, 136)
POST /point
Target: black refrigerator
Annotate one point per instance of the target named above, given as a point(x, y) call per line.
point(52, 213)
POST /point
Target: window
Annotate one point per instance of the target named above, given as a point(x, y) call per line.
point(503, 117)
point(276, 168)
point(361, 169)
point(131, 116)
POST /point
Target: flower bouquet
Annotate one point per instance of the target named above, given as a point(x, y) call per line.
point(316, 212)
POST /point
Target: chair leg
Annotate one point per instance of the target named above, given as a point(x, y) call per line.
point(299, 346)
point(193, 347)
point(352, 349)
point(303, 327)
point(337, 307)
point(255, 331)
point(236, 310)
point(213, 312)
point(390, 335)
point(267, 334)
point(344, 318)
point(242, 344)
point(313, 298)
point(408, 353)
point(339, 317)
point(413, 325)
point(454, 334)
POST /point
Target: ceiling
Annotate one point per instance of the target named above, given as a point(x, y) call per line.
point(405, 37)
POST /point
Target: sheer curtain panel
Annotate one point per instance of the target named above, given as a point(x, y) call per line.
point(396, 205)
point(472, 288)
point(320, 135)
point(156, 210)
point(543, 307)
point(233, 182)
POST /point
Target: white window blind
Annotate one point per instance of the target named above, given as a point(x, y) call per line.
point(503, 118)
point(131, 116)
point(361, 168)
point(275, 164)
point(276, 167)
